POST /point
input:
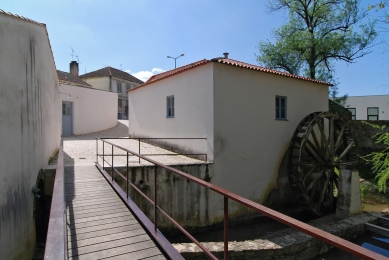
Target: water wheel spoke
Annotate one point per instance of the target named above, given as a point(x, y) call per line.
point(325, 187)
point(317, 144)
point(310, 186)
point(339, 140)
point(331, 139)
point(316, 155)
point(323, 138)
point(345, 151)
point(305, 177)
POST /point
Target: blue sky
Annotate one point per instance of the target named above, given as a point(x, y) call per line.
point(138, 35)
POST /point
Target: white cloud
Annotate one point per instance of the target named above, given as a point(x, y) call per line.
point(145, 75)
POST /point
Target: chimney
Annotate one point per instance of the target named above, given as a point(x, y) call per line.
point(225, 55)
point(74, 68)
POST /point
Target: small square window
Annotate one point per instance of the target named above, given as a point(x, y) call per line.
point(353, 113)
point(119, 87)
point(170, 106)
point(128, 86)
point(281, 108)
point(372, 113)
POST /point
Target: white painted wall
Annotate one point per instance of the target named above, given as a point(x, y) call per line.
point(193, 97)
point(361, 103)
point(93, 110)
point(249, 142)
point(30, 128)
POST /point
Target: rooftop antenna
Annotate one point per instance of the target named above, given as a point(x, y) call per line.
point(121, 67)
point(72, 54)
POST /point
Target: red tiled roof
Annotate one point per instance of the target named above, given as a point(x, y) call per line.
point(65, 77)
point(170, 73)
point(267, 70)
point(109, 71)
point(227, 62)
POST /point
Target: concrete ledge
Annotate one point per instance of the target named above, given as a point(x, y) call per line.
point(285, 244)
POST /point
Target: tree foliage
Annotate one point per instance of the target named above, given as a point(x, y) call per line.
point(380, 160)
point(318, 33)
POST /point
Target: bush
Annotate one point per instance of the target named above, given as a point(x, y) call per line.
point(380, 160)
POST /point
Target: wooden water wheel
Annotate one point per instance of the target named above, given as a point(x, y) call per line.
point(321, 144)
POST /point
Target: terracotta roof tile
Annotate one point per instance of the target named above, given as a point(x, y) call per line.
point(170, 73)
point(231, 62)
point(263, 69)
point(109, 71)
point(65, 77)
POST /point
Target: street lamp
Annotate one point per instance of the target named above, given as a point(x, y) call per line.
point(175, 64)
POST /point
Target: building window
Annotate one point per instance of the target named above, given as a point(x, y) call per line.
point(372, 113)
point(170, 106)
point(119, 87)
point(281, 108)
point(128, 86)
point(119, 115)
point(353, 113)
point(119, 103)
point(65, 109)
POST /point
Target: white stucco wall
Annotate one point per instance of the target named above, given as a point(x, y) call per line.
point(93, 110)
point(193, 96)
point(29, 128)
point(361, 103)
point(249, 142)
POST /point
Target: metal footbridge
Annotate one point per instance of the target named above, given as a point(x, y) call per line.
point(92, 217)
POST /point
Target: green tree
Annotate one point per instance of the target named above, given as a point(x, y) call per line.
point(380, 160)
point(318, 33)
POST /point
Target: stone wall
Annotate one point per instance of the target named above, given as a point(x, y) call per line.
point(285, 244)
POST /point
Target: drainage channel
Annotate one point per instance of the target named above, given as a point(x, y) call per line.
point(376, 239)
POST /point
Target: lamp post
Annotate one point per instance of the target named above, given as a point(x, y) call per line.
point(175, 59)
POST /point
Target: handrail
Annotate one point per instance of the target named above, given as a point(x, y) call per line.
point(158, 154)
point(56, 241)
point(308, 229)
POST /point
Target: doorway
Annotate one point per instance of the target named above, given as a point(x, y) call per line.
point(67, 118)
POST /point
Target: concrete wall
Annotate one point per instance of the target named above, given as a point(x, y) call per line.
point(193, 95)
point(29, 128)
point(361, 104)
point(249, 142)
point(93, 110)
point(188, 203)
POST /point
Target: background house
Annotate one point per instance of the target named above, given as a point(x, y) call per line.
point(85, 109)
point(247, 113)
point(30, 129)
point(368, 107)
point(114, 80)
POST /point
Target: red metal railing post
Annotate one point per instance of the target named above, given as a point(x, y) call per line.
point(155, 199)
point(139, 149)
point(127, 177)
point(112, 164)
point(225, 228)
point(97, 150)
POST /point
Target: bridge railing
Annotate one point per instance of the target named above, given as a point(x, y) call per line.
point(291, 222)
point(56, 240)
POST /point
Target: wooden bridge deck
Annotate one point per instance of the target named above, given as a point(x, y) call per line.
point(99, 224)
